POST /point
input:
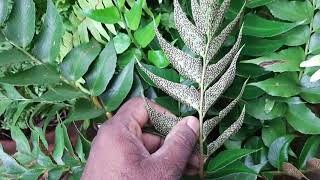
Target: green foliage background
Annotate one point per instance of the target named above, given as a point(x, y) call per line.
point(78, 57)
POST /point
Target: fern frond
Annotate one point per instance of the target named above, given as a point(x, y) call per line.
point(190, 35)
point(234, 128)
point(210, 124)
point(161, 121)
point(186, 65)
point(183, 93)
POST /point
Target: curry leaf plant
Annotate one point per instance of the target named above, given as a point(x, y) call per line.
point(204, 39)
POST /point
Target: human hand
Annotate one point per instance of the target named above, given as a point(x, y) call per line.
point(122, 151)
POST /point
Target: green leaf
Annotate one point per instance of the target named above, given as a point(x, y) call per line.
point(109, 15)
point(235, 167)
point(283, 85)
point(227, 157)
point(4, 10)
point(133, 16)
point(131, 55)
point(118, 89)
point(302, 119)
point(236, 176)
point(47, 46)
point(20, 27)
point(102, 70)
point(78, 60)
point(121, 42)
point(314, 46)
point(260, 27)
point(168, 103)
point(13, 56)
point(21, 140)
point(146, 34)
point(67, 140)
point(278, 152)
point(257, 3)
point(259, 47)
point(58, 145)
point(84, 110)
point(10, 165)
point(272, 130)
point(292, 10)
point(285, 60)
point(309, 151)
point(310, 91)
point(296, 36)
point(32, 173)
point(60, 93)
point(256, 107)
point(37, 75)
point(316, 22)
point(158, 58)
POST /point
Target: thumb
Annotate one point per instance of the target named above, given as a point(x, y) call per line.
point(179, 144)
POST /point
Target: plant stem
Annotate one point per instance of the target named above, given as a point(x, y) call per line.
point(201, 112)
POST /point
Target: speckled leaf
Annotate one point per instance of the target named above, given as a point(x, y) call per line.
point(217, 42)
point(188, 31)
point(182, 93)
point(185, 64)
point(219, 15)
point(213, 122)
point(161, 121)
point(234, 128)
point(215, 91)
point(215, 70)
point(198, 16)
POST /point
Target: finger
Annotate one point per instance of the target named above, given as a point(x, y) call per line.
point(152, 142)
point(179, 144)
point(134, 111)
point(194, 161)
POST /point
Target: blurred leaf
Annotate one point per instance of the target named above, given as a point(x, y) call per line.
point(285, 60)
point(259, 47)
point(250, 70)
point(255, 108)
point(309, 151)
point(310, 91)
point(302, 119)
point(258, 160)
point(296, 36)
point(78, 60)
point(257, 3)
point(292, 10)
point(314, 46)
point(283, 85)
point(102, 70)
point(118, 89)
point(47, 46)
point(20, 27)
point(260, 27)
point(236, 176)
point(316, 22)
point(59, 93)
point(146, 34)
point(227, 157)
point(32, 173)
point(121, 42)
point(21, 140)
point(37, 75)
point(109, 15)
point(278, 152)
point(10, 165)
point(130, 55)
point(4, 10)
point(13, 56)
point(58, 145)
point(272, 130)
point(83, 110)
point(133, 16)
point(235, 167)
point(158, 58)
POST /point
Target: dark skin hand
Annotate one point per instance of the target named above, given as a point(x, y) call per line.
point(121, 151)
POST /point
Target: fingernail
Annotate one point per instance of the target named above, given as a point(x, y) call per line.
point(193, 123)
